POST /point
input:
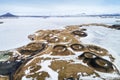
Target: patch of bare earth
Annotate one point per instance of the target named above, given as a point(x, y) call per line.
point(4, 78)
point(66, 69)
point(38, 76)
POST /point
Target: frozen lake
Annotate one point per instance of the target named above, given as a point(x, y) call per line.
point(14, 32)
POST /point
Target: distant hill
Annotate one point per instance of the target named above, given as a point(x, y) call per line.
point(8, 15)
point(110, 14)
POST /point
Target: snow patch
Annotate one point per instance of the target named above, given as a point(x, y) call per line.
point(45, 67)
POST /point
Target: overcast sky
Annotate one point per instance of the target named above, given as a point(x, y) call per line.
point(52, 7)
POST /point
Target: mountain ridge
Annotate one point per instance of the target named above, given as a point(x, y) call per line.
point(46, 16)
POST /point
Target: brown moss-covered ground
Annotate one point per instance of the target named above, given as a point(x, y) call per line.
point(66, 69)
point(4, 78)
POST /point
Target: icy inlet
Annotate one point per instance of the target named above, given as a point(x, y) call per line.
point(62, 54)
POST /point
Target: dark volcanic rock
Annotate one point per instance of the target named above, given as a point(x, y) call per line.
point(9, 68)
point(116, 26)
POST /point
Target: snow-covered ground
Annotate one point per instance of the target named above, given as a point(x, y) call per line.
point(106, 38)
point(14, 32)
